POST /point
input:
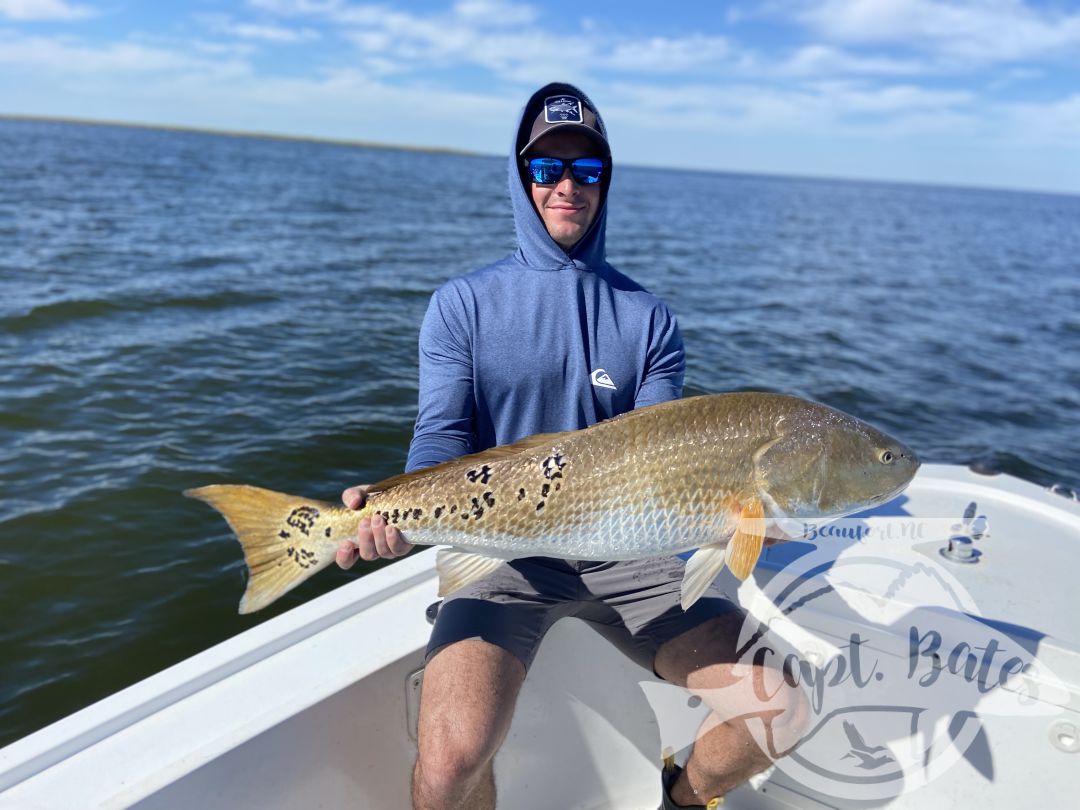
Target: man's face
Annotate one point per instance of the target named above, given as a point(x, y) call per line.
point(567, 207)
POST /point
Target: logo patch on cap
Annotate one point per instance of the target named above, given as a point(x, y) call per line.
point(559, 109)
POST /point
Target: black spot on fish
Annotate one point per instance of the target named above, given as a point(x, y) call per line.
point(521, 494)
point(394, 518)
point(301, 557)
point(416, 513)
point(303, 518)
point(439, 511)
point(489, 498)
point(483, 475)
point(453, 509)
point(327, 532)
point(553, 466)
point(540, 507)
point(558, 486)
point(544, 490)
point(464, 515)
point(284, 535)
point(477, 510)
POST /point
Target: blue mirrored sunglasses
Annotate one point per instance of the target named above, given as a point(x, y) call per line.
point(548, 170)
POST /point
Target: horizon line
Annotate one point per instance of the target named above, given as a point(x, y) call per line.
point(449, 150)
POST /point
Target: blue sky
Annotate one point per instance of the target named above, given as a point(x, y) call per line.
point(971, 92)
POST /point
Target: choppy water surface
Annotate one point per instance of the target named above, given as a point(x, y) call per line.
point(183, 309)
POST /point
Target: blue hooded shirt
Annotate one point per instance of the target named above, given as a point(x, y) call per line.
point(543, 340)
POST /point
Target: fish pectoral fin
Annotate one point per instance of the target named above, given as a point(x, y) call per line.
point(701, 569)
point(458, 568)
point(745, 546)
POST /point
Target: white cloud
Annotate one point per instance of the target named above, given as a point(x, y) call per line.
point(668, 55)
point(502, 37)
point(1055, 122)
point(402, 42)
point(272, 33)
point(937, 36)
point(1014, 76)
point(495, 13)
point(223, 24)
point(296, 7)
point(823, 60)
point(826, 109)
point(971, 31)
point(44, 10)
point(729, 107)
point(61, 56)
point(855, 98)
point(219, 48)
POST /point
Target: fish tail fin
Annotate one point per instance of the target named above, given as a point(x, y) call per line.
point(279, 536)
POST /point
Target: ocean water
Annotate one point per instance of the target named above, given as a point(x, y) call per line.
point(179, 309)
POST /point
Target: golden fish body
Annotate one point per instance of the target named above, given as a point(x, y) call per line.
point(704, 473)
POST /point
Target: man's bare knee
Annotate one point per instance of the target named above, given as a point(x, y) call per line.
point(450, 780)
point(470, 689)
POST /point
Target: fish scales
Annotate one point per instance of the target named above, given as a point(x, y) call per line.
point(640, 484)
point(697, 472)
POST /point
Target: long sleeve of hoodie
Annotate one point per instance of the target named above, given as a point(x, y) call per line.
point(445, 427)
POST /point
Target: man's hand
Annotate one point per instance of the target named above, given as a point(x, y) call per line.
point(374, 539)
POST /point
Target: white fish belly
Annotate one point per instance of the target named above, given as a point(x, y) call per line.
point(610, 535)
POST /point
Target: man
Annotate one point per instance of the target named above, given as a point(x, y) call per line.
point(552, 338)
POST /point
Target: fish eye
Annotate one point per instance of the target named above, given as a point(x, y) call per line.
point(886, 456)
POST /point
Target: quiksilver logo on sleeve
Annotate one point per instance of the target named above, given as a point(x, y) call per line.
point(558, 109)
point(601, 379)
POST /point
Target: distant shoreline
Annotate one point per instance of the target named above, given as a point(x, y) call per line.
point(447, 150)
point(234, 133)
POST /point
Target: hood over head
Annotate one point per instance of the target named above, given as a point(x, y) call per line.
point(549, 108)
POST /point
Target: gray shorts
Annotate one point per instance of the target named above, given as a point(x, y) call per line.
point(634, 604)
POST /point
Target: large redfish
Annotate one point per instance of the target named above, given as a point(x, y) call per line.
point(705, 473)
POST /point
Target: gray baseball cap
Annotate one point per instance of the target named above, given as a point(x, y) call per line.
point(564, 111)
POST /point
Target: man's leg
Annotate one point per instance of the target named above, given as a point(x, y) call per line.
point(470, 688)
point(726, 754)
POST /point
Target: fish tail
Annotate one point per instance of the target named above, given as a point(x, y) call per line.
point(279, 534)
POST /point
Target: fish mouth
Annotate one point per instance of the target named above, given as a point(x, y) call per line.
point(888, 495)
point(879, 499)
